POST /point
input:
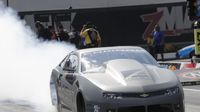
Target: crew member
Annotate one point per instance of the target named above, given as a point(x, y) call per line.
point(90, 37)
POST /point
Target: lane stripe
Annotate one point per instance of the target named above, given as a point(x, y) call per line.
point(194, 90)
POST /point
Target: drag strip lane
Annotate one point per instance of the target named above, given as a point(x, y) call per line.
point(192, 98)
point(192, 90)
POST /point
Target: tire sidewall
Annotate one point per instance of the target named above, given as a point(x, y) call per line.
point(58, 105)
point(80, 105)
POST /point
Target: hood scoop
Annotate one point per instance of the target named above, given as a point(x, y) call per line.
point(127, 69)
point(135, 74)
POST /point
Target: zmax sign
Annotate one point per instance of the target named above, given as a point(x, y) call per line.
point(173, 21)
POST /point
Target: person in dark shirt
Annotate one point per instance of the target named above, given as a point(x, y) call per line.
point(63, 36)
point(41, 31)
point(52, 33)
point(158, 43)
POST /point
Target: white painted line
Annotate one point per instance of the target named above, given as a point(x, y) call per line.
point(194, 90)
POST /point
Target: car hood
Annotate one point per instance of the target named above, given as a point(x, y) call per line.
point(125, 75)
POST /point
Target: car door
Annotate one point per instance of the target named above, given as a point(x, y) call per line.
point(67, 80)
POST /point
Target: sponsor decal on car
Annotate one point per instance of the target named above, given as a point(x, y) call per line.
point(96, 108)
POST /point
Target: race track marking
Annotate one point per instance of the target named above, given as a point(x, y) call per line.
point(193, 90)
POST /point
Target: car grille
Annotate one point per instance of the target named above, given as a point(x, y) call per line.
point(151, 108)
point(143, 95)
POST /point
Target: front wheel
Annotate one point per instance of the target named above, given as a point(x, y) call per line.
point(59, 107)
point(192, 54)
point(80, 104)
point(177, 55)
point(55, 98)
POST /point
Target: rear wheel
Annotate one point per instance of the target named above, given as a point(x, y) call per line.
point(192, 54)
point(80, 104)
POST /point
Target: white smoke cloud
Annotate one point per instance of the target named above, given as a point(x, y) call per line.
point(25, 62)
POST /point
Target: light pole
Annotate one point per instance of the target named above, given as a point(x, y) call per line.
point(7, 3)
point(70, 8)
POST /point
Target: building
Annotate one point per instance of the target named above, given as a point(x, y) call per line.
point(120, 22)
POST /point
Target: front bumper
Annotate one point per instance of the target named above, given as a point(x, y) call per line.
point(162, 103)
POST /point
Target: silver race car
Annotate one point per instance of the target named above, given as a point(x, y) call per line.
point(114, 79)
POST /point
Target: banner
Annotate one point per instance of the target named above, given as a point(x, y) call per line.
point(197, 41)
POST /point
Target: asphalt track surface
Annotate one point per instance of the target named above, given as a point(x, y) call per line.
point(192, 98)
point(192, 103)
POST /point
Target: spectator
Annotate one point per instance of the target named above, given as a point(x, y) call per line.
point(41, 31)
point(52, 33)
point(63, 36)
point(90, 37)
point(158, 43)
point(75, 38)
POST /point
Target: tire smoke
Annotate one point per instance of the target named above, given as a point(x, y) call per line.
point(25, 61)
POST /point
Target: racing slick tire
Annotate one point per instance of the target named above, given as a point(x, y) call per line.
point(55, 98)
point(59, 107)
point(192, 54)
point(80, 103)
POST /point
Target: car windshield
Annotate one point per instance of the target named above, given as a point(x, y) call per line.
point(95, 61)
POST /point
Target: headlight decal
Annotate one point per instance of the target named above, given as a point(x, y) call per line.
point(96, 108)
point(172, 91)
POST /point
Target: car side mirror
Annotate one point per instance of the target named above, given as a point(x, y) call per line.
point(68, 67)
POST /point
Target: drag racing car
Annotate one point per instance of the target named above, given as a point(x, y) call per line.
point(114, 79)
point(186, 52)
